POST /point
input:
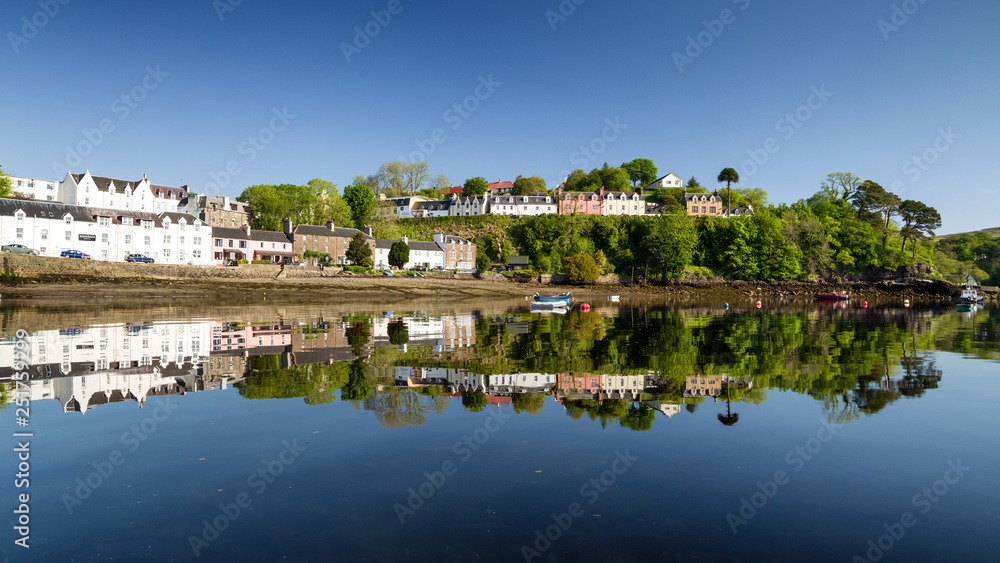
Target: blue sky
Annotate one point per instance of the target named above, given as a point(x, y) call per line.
point(925, 88)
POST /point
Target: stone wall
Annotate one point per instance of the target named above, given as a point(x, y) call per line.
point(40, 267)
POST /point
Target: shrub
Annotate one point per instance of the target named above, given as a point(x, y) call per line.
point(582, 268)
point(261, 262)
point(242, 262)
point(360, 270)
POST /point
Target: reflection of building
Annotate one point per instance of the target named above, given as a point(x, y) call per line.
point(667, 410)
point(711, 385)
point(581, 385)
point(233, 336)
point(522, 383)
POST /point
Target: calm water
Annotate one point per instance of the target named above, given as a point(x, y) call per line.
point(481, 432)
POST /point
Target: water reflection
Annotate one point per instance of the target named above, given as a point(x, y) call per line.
point(616, 365)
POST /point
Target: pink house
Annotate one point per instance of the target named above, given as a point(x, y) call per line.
point(585, 203)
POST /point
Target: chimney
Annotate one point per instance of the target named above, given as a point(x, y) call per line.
point(405, 240)
point(367, 230)
point(246, 229)
point(286, 225)
point(329, 225)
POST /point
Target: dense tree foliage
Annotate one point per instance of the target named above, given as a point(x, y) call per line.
point(399, 254)
point(582, 268)
point(358, 251)
point(313, 204)
point(475, 187)
point(361, 201)
point(6, 190)
point(641, 171)
point(529, 186)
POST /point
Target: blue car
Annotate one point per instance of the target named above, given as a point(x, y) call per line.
point(136, 257)
point(74, 254)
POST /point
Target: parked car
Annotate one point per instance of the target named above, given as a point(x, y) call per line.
point(229, 262)
point(74, 254)
point(136, 257)
point(19, 249)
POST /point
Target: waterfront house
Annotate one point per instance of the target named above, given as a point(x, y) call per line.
point(330, 240)
point(523, 205)
point(669, 181)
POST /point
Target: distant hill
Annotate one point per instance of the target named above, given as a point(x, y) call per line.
point(994, 232)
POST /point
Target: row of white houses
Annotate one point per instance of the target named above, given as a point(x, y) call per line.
point(105, 234)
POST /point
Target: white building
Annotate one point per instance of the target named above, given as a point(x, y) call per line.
point(104, 234)
point(522, 383)
point(42, 190)
point(468, 206)
point(624, 203)
point(404, 206)
point(139, 195)
point(430, 255)
point(433, 208)
point(523, 205)
point(669, 181)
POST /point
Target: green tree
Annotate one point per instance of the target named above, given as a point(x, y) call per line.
point(581, 268)
point(361, 200)
point(669, 244)
point(755, 197)
point(641, 171)
point(612, 178)
point(440, 183)
point(358, 252)
point(730, 176)
point(483, 262)
point(327, 204)
point(528, 402)
point(358, 387)
point(267, 206)
point(475, 187)
point(358, 336)
point(433, 193)
point(529, 186)
point(6, 190)
point(692, 183)
point(399, 254)
point(919, 221)
point(841, 184)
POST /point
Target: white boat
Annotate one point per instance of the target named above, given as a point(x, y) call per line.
point(614, 298)
point(970, 295)
point(549, 306)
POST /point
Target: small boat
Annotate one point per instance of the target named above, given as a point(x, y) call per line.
point(549, 306)
point(832, 296)
point(614, 298)
point(560, 297)
point(971, 296)
point(965, 308)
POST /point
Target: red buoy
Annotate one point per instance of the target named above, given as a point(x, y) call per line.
point(758, 304)
point(585, 307)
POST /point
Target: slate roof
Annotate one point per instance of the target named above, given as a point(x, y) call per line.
point(227, 232)
point(316, 230)
point(424, 245)
point(269, 236)
point(179, 193)
point(441, 205)
point(117, 214)
point(384, 243)
point(519, 199)
point(176, 217)
point(689, 197)
point(44, 209)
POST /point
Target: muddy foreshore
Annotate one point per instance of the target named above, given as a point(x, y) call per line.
point(79, 288)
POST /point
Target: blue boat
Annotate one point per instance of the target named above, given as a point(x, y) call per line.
point(548, 298)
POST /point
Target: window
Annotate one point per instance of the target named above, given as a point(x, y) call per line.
point(218, 242)
point(146, 241)
point(104, 221)
point(50, 187)
point(45, 234)
point(148, 225)
point(166, 253)
point(243, 243)
point(104, 238)
point(180, 254)
point(128, 239)
point(20, 232)
point(166, 239)
point(195, 254)
point(48, 198)
point(197, 227)
point(711, 209)
point(126, 220)
point(182, 240)
point(86, 201)
point(20, 216)
point(231, 243)
point(69, 235)
point(181, 226)
point(69, 219)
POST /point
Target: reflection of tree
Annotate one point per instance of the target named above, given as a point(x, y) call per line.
point(628, 415)
point(315, 383)
point(639, 418)
point(440, 403)
point(920, 371)
point(474, 401)
point(691, 407)
point(397, 408)
point(358, 335)
point(528, 402)
point(875, 390)
point(398, 333)
point(730, 418)
point(358, 387)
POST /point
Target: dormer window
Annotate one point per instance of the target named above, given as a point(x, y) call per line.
point(19, 215)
